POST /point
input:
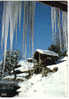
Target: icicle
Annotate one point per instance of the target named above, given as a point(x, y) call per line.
point(54, 19)
point(63, 29)
point(19, 13)
point(59, 28)
point(65, 33)
point(31, 23)
point(30, 17)
point(16, 23)
point(3, 29)
point(18, 17)
point(11, 35)
point(24, 30)
point(53, 22)
point(3, 26)
point(32, 29)
point(6, 36)
point(2, 38)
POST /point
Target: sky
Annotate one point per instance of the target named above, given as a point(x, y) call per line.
point(42, 29)
point(42, 26)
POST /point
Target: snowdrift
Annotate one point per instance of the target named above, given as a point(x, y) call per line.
point(55, 84)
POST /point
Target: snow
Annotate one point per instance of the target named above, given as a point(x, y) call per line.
point(47, 52)
point(55, 84)
point(25, 65)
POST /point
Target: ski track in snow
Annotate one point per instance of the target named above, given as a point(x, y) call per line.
point(53, 85)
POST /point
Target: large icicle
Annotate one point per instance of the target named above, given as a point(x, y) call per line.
point(3, 26)
point(53, 22)
point(32, 25)
point(59, 28)
point(30, 33)
point(65, 32)
point(25, 30)
point(18, 17)
point(6, 24)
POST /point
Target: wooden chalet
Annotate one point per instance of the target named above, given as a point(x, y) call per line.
point(45, 57)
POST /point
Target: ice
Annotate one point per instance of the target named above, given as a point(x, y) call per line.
point(59, 28)
point(9, 19)
point(64, 22)
point(28, 27)
point(53, 23)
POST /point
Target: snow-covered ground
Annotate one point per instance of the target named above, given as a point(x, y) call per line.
point(55, 84)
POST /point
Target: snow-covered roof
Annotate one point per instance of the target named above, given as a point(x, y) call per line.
point(29, 58)
point(47, 52)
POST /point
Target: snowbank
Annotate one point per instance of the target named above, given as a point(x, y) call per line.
point(55, 84)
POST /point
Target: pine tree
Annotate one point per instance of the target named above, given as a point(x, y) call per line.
point(11, 61)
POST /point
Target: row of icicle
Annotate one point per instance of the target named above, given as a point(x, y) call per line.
point(59, 28)
point(11, 17)
point(29, 9)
